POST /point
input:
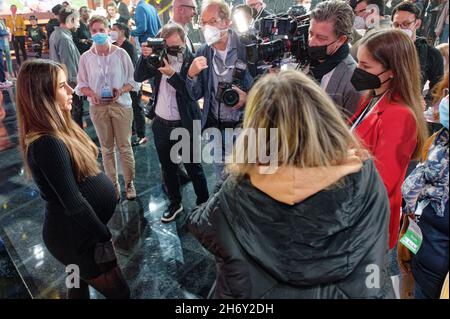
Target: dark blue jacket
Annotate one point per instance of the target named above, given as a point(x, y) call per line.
point(202, 87)
point(147, 22)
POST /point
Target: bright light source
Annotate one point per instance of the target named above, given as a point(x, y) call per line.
point(241, 21)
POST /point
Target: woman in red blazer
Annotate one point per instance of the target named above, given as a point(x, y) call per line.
point(390, 119)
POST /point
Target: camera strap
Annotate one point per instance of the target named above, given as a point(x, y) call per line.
point(105, 71)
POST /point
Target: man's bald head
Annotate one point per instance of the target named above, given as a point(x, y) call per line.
point(184, 11)
point(178, 3)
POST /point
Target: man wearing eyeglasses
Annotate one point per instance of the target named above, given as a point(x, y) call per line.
point(215, 63)
point(406, 16)
point(183, 13)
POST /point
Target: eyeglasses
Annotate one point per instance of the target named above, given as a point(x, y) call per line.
point(190, 7)
point(403, 25)
point(358, 12)
point(255, 5)
point(210, 22)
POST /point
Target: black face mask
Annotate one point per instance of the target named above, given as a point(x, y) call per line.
point(363, 80)
point(254, 13)
point(319, 52)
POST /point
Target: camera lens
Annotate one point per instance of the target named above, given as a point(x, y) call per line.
point(230, 97)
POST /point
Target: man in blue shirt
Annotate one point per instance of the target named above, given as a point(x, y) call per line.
point(147, 22)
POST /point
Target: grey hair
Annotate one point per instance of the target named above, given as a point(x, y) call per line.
point(172, 28)
point(337, 12)
point(224, 9)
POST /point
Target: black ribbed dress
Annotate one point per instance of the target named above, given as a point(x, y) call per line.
point(76, 213)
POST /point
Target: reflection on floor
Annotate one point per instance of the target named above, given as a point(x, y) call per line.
point(159, 260)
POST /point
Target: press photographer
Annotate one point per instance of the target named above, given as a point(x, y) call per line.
point(167, 61)
point(215, 62)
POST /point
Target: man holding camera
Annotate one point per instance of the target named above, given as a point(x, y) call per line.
point(331, 62)
point(174, 109)
point(218, 63)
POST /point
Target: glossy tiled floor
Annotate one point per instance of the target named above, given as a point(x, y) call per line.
point(159, 260)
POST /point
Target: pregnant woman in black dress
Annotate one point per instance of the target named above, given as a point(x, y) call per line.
point(62, 160)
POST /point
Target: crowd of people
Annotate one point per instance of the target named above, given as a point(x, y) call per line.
point(355, 159)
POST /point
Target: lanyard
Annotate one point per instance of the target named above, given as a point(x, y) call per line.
point(228, 68)
point(104, 72)
point(365, 113)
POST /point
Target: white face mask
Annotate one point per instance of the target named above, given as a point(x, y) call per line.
point(408, 32)
point(212, 34)
point(114, 36)
point(359, 23)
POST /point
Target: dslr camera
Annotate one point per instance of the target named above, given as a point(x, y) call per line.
point(158, 46)
point(225, 92)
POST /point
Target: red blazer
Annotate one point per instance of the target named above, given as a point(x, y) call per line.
point(389, 132)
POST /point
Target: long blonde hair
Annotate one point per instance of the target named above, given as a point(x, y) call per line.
point(396, 52)
point(38, 114)
point(311, 130)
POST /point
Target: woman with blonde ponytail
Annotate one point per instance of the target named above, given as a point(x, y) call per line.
point(62, 160)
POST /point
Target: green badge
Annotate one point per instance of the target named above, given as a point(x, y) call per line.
point(413, 237)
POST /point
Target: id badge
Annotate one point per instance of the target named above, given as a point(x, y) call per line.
point(106, 93)
point(413, 237)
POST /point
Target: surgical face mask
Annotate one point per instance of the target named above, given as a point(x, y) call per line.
point(100, 38)
point(359, 23)
point(408, 32)
point(443, 112)
point(114, 35)
point(319, 52)
point(363, 80)
point(212, 34)
point(254, 13)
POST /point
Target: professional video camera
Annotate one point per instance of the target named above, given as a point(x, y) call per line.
point(225, 92)
point(281, 37)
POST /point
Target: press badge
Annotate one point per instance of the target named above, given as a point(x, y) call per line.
point(413, 237)
point(106, 93)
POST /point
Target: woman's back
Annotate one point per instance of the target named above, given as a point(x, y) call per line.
point(333, 244)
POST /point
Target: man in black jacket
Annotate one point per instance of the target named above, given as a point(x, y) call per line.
point(174, 110)
point(82, 36)
point(406, 16)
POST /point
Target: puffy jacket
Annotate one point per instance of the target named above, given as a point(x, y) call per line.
point(333, 244)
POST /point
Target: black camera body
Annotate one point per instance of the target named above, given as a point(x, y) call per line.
point(158, 46)
point(280, 37)
point(225, 92)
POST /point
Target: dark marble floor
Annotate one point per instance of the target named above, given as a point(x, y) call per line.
point(159, 260)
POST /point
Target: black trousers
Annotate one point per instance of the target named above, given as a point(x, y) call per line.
point(19, 43)
point(161, 131)
point(138, 114)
